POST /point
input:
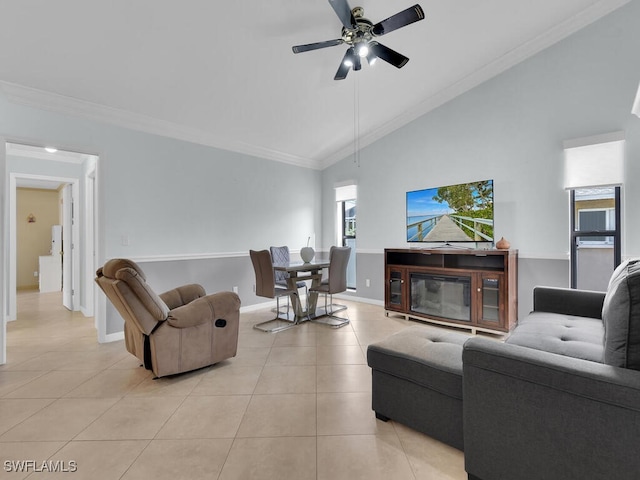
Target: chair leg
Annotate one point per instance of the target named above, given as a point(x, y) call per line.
point(277, 324)
point(330, 318)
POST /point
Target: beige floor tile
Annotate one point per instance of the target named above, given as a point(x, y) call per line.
point(97, 460)
point(296, 404)
point(271, 458)
point(252, 338)
point(430, 458)
point(12, 380)
point(17, 355)
point(206, 417)
point(349, 414)
point(132, 418)
point(45, 361)
point(228, 379)
point(93, 360)
point(110, 383)
point(344, 378)
point(16, 453)
point(279, 416)
point(366, 457)
point(286, 379)
point(53, 384)
point(336, 336)
point(62, 419)
point(13, 411)
point(301, 336)
point(340, 354)
point(185, 459)
point(250, 356)
point(292, 356)
point(173, 386)
point(126, 362)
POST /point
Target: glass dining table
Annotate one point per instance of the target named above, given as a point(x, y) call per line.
point(299, 271)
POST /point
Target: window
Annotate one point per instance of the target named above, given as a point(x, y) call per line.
point(595, 236)
point(594, 169)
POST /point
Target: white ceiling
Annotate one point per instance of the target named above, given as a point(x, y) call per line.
point(223, 73)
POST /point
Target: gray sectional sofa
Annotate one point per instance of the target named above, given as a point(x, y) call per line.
point(559, 399)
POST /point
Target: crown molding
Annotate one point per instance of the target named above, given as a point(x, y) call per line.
point(490, 70)
point(41, 99)
point(71, 106)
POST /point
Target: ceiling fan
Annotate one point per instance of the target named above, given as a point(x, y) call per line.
point(360, 33)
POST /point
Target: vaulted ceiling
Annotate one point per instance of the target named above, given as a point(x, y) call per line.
point(223, 73)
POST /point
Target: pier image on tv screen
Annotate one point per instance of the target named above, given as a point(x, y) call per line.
point(455, 213)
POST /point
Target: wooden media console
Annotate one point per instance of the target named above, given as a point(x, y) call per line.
point(466, 288)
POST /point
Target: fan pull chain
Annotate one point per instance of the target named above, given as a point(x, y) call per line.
point(356, 121)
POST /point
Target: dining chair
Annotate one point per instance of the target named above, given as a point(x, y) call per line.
point(266, 287)
point(336, 282)
point(280, 256)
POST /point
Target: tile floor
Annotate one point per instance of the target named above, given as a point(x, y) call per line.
point(291, 405)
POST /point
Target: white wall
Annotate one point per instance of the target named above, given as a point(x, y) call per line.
point(172, 198)
point(509, 129)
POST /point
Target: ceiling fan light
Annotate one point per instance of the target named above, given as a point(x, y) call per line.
point(363, 50)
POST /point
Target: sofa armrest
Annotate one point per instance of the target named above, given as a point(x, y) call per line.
point(530, 414)
point(204, 309)
point(183, 295)
point(568, 301)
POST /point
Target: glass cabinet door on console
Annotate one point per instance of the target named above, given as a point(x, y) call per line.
point(395, 289)
point(490, 304)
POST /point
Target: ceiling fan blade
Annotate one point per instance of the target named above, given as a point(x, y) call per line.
point(317, 45)
point(400, 19)
point(343, 10)
point(390, 56)
point(344, 67)
point(357, 63)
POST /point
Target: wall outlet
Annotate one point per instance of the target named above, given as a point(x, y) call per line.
point(254, 288)
point(235, 289)
point(367, 282)
point(124, 240)
point(35, 274)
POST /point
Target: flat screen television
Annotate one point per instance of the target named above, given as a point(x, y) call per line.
point(451, 214)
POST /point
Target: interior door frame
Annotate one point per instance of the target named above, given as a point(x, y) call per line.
point(13, 240)
point(7, 258)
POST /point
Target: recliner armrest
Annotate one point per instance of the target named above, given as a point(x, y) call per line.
point(210, 307)
point(568, 301)
point(183, 295)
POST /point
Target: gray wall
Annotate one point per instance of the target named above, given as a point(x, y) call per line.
point(510, 129)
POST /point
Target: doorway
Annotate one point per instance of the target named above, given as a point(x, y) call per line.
point(25, 163)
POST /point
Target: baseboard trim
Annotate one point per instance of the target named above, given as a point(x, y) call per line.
point(113, 337)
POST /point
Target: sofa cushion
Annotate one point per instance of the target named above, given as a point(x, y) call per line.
point(427, 356)
point(568, 335)
point(621, 317)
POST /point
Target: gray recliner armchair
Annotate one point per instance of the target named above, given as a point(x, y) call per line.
point(177, 331)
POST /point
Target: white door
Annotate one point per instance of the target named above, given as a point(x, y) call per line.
point(67, 255)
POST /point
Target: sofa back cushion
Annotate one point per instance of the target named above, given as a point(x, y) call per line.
point(621, 317)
